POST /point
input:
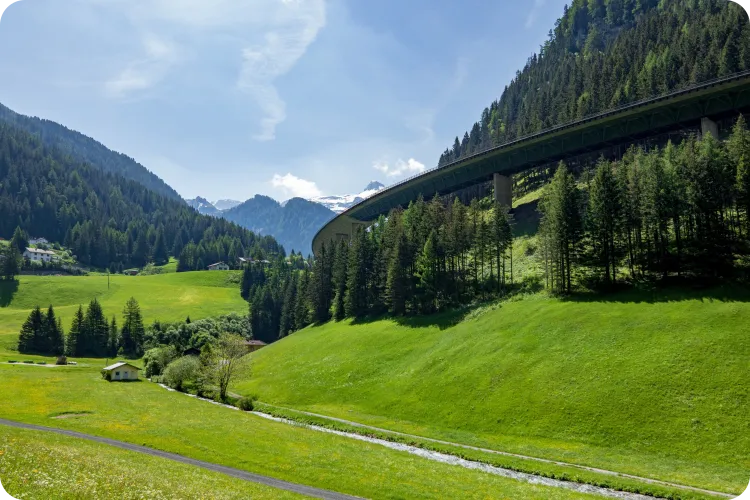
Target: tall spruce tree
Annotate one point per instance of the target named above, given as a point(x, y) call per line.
point(32, 338)
point(74, 341)
point(340, 264)
point(55, 337)
point(133, 331)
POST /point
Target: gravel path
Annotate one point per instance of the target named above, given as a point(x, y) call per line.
point(229, 471)
point(496, 452)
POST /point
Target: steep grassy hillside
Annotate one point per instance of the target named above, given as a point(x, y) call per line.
point(43, 465)
point(653, 384)
point(145, 414)
point(167, 297)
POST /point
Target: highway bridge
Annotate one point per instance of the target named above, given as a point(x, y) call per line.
point(698, 107)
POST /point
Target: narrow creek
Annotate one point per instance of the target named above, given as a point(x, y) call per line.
point(446, 458)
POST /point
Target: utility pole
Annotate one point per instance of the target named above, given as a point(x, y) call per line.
point(107, 280)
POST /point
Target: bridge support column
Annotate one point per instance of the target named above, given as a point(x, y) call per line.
point(503, 190)
point(708, 126)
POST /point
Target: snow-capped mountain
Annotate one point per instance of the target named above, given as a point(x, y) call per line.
point(340, 203)
point(226, 204)
point(203, 206)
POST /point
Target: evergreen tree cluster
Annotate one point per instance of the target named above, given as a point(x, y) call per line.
point(106, 220)
point(607, 53)
point(90, 334)
point(420, 260)
point(682, 210)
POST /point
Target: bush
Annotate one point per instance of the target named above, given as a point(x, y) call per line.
point(245, 404)
point(180, 371)
point(207, 393)
point(12, 361)
point(107, 375)
point(27, 362)
point(157, 359)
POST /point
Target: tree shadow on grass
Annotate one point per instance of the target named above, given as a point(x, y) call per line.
point(443, 320)
point(7, 290)
point(672, 291)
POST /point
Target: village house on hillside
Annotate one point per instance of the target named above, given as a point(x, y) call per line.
point(38, 241)
point(219, 266)
point(36, 255)
point(254, 345)
point(120, 371)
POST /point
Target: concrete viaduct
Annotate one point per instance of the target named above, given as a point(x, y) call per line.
point(698, 106)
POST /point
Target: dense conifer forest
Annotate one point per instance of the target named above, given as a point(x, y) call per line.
point(606, 53)
point(106, 220)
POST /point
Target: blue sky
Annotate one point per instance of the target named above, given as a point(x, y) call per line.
point(229, 98)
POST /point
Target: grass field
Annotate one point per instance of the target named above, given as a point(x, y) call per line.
point(167, 297)
point(145, 414)
point(652, 384)
point(43, 465)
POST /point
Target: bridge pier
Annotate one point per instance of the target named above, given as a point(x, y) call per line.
point(503, 190)
point(708, 126)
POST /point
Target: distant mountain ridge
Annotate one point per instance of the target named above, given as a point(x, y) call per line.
point(293, 225)
point(87, 150)
point(226, 204)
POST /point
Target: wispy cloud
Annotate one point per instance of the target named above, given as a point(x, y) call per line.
point(159, 56)
point(295, 187)
point(401, 167)
point(534, 13)
point(282, 48)
point(270, 37)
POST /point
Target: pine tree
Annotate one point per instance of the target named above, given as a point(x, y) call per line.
point(160, 254)
point(356, 289)
point(132, 333)
point(396, 289)
point(32, 333)
point(74, 341)
point(94, 333)
point(605, 218)
point(340, 264)
point(10, 263)
point(20, 240)
point(302, 308)
point(55, 337)
point(114, 338)
point(286, 321)
point(428, 276)
point(501, 237)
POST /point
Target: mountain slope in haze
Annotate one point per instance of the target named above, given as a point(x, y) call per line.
point(87, 150)
point(339, 204)
point(293, 225)
point(603, 54)
point(108, 221)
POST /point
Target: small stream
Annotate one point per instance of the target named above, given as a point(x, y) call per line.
point(448, 459)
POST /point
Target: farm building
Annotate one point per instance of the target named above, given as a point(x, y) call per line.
point(38, 241)
point(36, 255)
point(254, 345)
point(219, 266)
point(120, 371)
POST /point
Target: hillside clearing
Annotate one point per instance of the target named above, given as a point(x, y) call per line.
point(648, 384)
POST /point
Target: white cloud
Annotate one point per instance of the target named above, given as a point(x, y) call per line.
point(534, 13)
point(295, 187)
point(143, 73)
point(400, 168)
point(270, 36)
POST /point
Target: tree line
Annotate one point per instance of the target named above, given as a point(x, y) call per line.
point(606, 53)
point(90, 334)
point(682, 210)
point(419, 260)
point(107, 221)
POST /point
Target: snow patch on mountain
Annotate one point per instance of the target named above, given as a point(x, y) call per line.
point(341, 203)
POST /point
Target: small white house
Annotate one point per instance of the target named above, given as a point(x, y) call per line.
point(37, 255)
point(120, 371)
point(219, 266)
point(38, 241)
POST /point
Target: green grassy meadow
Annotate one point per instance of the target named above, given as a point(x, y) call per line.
point(647, 383)
point(43, 465)
point(145, 414)
point(166, 297)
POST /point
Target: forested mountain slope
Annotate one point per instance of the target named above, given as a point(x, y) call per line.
point(86, 149)
point(107, 220)
point(606, 53)
point(294, 225)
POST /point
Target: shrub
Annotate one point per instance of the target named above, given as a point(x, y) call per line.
point(157, 359)
point(207, 392)
point(12, 361)
point(28, 362)
point(62, 360)
point(107, 375)
point(245, 404)
point(180, 371)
